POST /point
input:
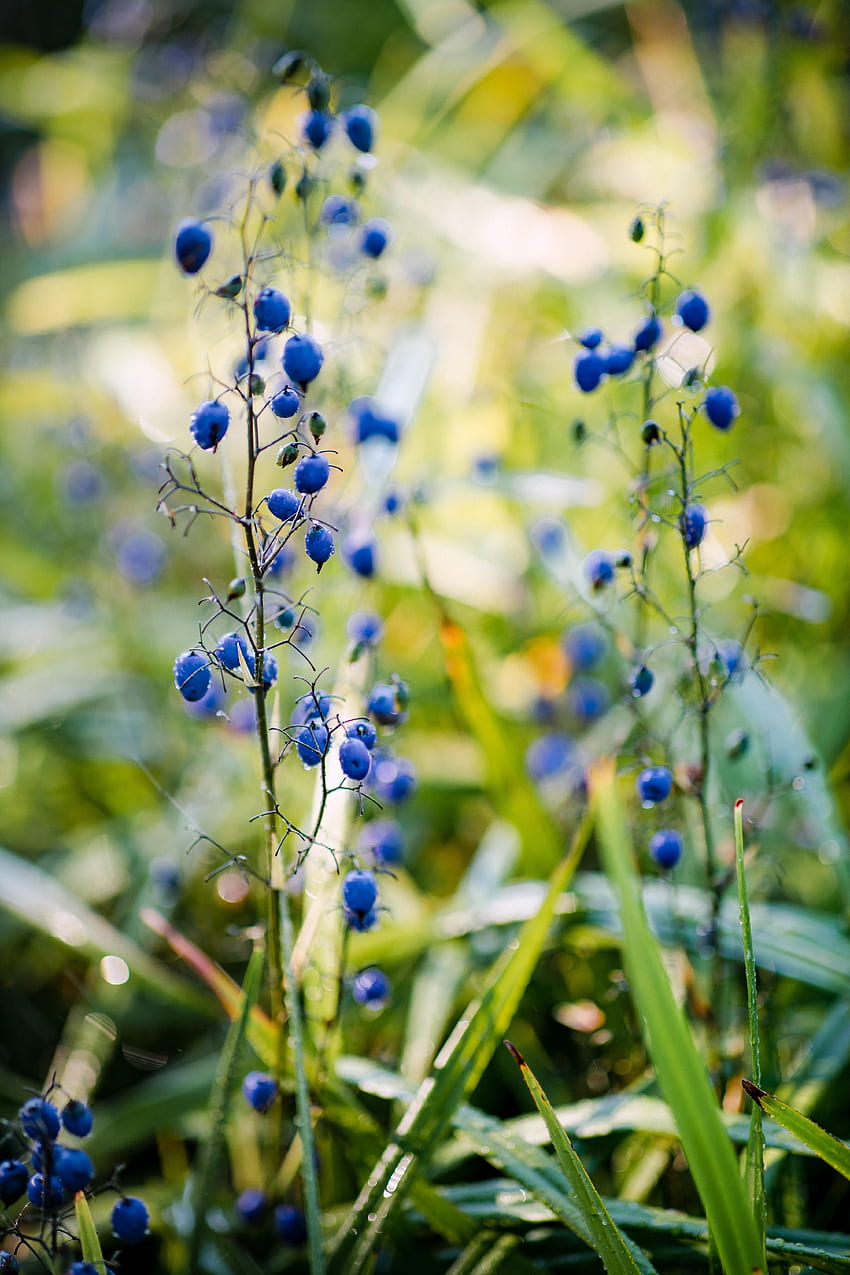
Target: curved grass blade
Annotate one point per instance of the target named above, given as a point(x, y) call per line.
point(681, 1071)
point(824, 1145)
point(612, 1246)
point(220, 1105)
point(40, 901)
point(457, 1069)
point(87, 1231)
point(754, 1156)
point(260, 1030)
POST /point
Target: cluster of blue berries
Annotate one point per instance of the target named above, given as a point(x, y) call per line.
point(253, 1205)
point(49, 1173)
point(596, 361)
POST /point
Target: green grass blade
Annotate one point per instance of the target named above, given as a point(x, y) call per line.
point(681, 1072)
point(457, 1070)
point(754, 1156)
point(43, 903)
point(219, 1107)
point(609, 1242)
point(824, 1145)
point(87, 1231)
point(510, 789)
point(486, 1253)
point(303, 1116)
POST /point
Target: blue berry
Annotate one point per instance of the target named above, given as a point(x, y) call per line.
point(284, 503)
point(317, 127)
point(39, 1119)
point(383, 838)
point(648, 334)
point(731, 655)
point(550, 755)
point(383, 704)
point(311, 473)
point(693, 523)
point(619, 359)
point(272, 310)
point(375, 237)
point(692, 309)
point(585, 645)
point(359, 123)
point(666, 848)
point(641, 680)
point(721, 406)
point(590, 338)
point(228, 648)
point(370, 421)
point(84, 1268)
point(363, 730)
point(45, 1193)
point(312, 705)
point(589, 369)
point(339, 211)
point(191, 676)
point(599, 569)
point(362, 922)
point(359, 891)
point(269, 671)
point(302, 358)
point(209, 424)
point(130, 1219)
point(192, 245)
point(252, 1206)
point(13, 1180)
point(393, 501)
point(259, 1090)
point(360, 553)
point(286, 403)
point(9, 1264)
point(319, 545)
point(290, 1225)
point(284, 560)
point(311, 743)
point(587, 699)
point(371, 987)
point(364, 628)
point(654, 784)
point(393, 779)
point(354, 759)
point(73, 1167)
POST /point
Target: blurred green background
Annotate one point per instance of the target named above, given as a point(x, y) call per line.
point(517, 142)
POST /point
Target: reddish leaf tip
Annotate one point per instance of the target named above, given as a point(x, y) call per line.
point(515, 1054)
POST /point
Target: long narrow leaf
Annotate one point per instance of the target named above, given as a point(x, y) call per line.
point(612, 1246)
point(219, 1106)
point(457, 1069)
point(43, 903)
point(89, 1241)
point(754, 1157)
point(823, 1144)
point(681, 1071)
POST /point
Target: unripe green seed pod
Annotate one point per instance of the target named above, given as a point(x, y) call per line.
point(231, 287)
point(636, 230)
point(236, 588)
point(287, 454)
point(277, 177)
point(319, 91)
point(256, 385)
point(316, 424)
point(304, 187)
